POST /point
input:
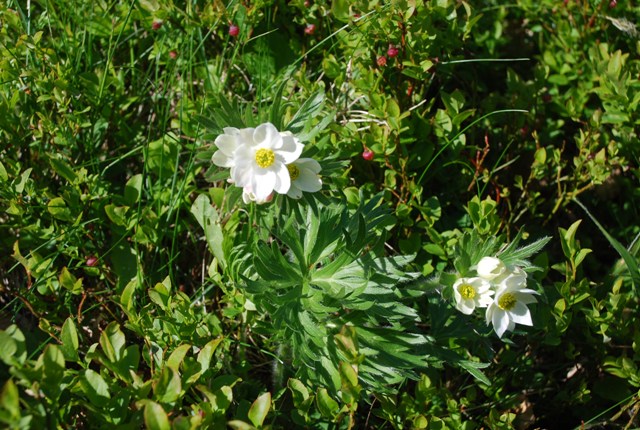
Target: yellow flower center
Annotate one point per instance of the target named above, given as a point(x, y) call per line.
point(507, 301)
point(467, 291)
point(294, 172)
point(265, 157)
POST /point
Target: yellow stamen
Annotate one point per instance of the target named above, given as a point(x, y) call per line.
point(265, 157)
point(507, 301)
point(467, 291)
point(294, 171)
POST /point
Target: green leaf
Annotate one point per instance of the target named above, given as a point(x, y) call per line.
point(473, 368)
point(8, 348)
point(309, 109)
point(112, 341)
point(207, 217)
point(13, 351)
point(168, 387)
point(299, 392)
point(69, 338)
point(3, 173)
point(133, 190)
point(219, 399)
point(19, 187)
point(57, 207)
point(205, 354)
point(127, 297)
point(259, 409)
point(177, 356)
point(240, 425)
point(630, 260)
point(326, 405)
point(68, 281)
point(155, 417)
point(340, 9)
point(53, 367)
point(117, 214)
point(95, 387)
point(10, 403)
point(63, 169)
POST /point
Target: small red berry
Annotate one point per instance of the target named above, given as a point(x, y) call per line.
point(173, 55)
point(307, 3)
point(613, 3)
point(156, 25)
point(92, 261)
point(309, 29)
point(392, 51)
point(382, 61)
point(234, 30)
point(367, 154)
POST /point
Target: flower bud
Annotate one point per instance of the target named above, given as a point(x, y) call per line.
point(490, 268)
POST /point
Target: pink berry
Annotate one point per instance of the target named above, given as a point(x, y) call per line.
point(173, 55)
point(309, 29)
point(234, 30)
point(367, 154)
point(613, 3)
point(156, 25)
point(92, 261)
point(392, 51)
point(382, 61)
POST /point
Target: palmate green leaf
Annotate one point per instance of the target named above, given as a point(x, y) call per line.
point(511, 255)
point(341, 278)
point(271, 265)
point(309, 109)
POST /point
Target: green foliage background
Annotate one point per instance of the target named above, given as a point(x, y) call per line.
point(137, 290)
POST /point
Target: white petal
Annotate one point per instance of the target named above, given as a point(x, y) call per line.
point(520, 314)
point(247, 195)
point(490, 267)
point(291, 150)
point(221, 159)
point(231, 130)
point(267, 136)
point(525, 298)
point(466, 306)
point(308, 181)
point(309, 163)
point(500, 321)
point(294, 192)
point(263, 183)
point(283, 182)
point(226, 143)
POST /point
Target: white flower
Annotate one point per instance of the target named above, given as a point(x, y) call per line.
point(490, 268)
point(258, 158)
point(471, 293)
point(304, 177)
point(248, 196)
point(227, 145)
point(508, 307)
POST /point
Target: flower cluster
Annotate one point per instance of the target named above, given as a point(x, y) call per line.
point(263, 160)
point(502, 290)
